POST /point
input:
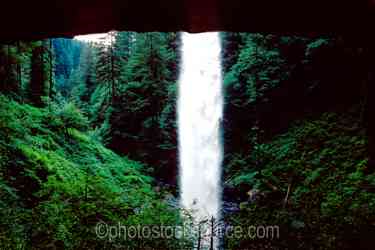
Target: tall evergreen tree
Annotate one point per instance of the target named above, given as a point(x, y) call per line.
point(108, 66)
point(38, 88)
point(147, 80)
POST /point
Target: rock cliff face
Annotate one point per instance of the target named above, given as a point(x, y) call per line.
point(45, 18)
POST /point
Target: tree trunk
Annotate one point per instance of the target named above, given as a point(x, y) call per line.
point(370, 105)
point(50, 69)
point(114, 94)
point(19, 71)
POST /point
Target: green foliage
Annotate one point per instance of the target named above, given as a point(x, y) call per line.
point(142, 121)
point(315, 45)
point(57, 180)
point(295, 148)
point(72, 117)
point(57, 183)
point(323, 161)
point(41, 76)
point(258, 68)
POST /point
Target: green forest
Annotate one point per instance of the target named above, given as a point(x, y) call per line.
point(88, 134)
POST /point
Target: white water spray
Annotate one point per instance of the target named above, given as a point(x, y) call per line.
point(200, 111)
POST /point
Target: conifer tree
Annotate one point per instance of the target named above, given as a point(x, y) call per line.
point(39, 81)
point(146, 79)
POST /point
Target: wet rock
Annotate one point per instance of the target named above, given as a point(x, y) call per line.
point(230, 207)
point(256, 195)
point(172, 201)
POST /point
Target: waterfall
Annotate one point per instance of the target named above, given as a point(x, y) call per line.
point(200, 111)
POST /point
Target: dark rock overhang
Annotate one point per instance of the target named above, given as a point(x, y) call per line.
point(48, 18)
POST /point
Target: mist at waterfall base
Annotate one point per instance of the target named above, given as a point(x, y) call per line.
point(200, 111)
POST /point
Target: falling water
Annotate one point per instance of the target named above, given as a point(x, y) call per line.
point(200, 111)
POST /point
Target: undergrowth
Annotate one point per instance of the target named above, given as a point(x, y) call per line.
point(57, 181)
